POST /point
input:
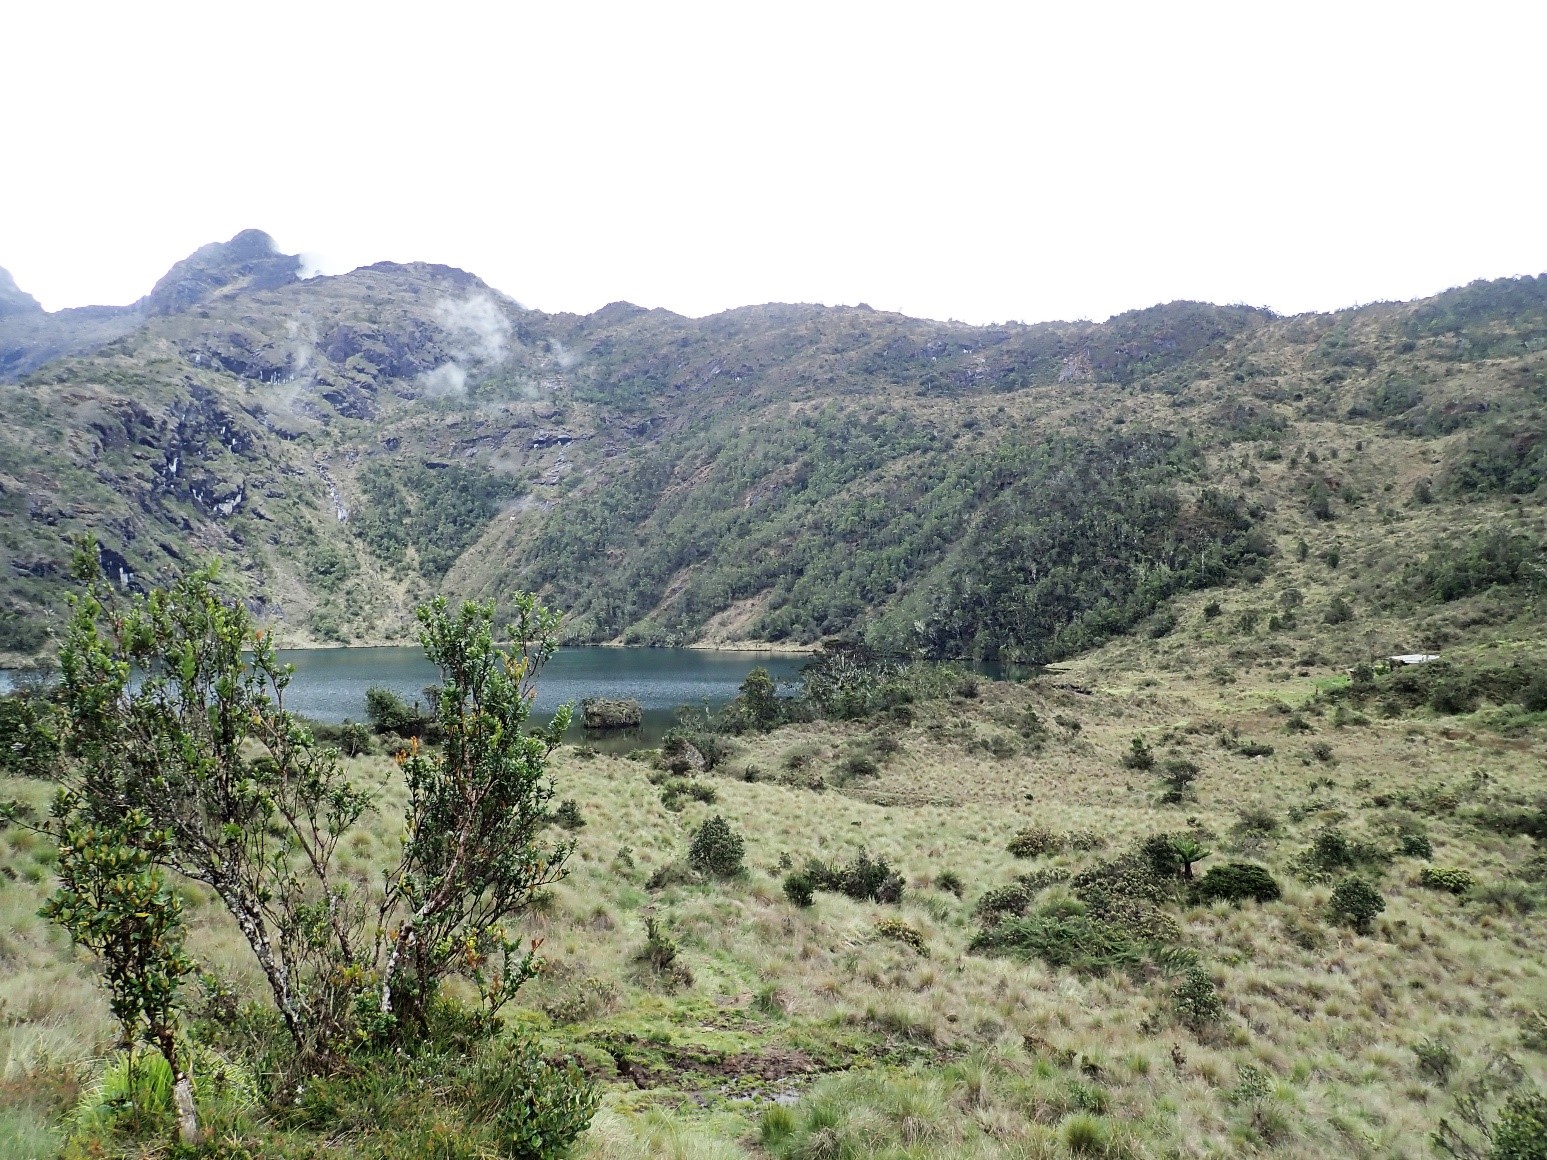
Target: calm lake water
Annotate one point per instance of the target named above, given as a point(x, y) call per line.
point(330, 683)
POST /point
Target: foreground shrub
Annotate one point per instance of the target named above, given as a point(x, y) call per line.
point(568, 815)
point(1450, 880)
point(1521, 1130)
point(716, 849)
point(1237, 882)
point(536, 1109)
point(1356, 902)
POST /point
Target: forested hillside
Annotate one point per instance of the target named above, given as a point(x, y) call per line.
point(776, 473)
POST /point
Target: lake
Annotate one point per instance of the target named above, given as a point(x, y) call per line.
point(330, 683)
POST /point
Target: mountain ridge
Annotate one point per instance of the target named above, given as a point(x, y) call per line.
point(355, 441)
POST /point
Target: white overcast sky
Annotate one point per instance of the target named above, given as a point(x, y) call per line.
point(953, 160)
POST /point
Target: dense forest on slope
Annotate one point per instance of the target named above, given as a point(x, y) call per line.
point(779, 473)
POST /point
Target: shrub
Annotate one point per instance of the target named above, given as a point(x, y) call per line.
point(1034, 841)
point(1435, 1059)
point(860, 765)
point(660, 950)
point(390, 713)
point(799, 888)
point(1520, 1132)
point(354, 739)
point(1197, 1001)
point(1339, 611)
point(1258, 820)
point(568, 815)
point(537, 1109)
point(1255, 749)
point(1084, 944)
point(1002, 900)
point(863, 879)
point(716, 849)
point(951, 882)
point(1356, 902)
point(1236, 882)
point(1139, 755)
point(1415, 844)
point(1452, 881)
point(1322, 752)
point(1177, 779)
point(678, 788)
point(899, 931)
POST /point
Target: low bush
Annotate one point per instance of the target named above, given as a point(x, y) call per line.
point(1356, 902)
point(864, 879)
point(1177, 780)
point(1084, 944)
point(1415, 844)
point(716, 849)
point(799, 888)
point(536, 1109)
point(1034, 841)
point(1197, 1000)
point(899, 931)
point(1436, 1059)
point(1139, 755)
point(677, 790)
point(1452, 881)
point(950, 882)
point(1255, 749)
point(1237, 882)
point(568, 815)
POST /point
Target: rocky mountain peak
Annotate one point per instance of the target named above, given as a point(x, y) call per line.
point(250, 261)
point(13, 299)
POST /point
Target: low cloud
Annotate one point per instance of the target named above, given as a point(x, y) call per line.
point(446, 379)
point(479, 330)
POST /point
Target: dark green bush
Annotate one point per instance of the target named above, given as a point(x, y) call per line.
point(1139, 755)
point(1177, 780)
point(716, 849)
point(863, 879)
point(1237, 882)
point(799, 888)
point(1415, 844)
point(568, 815)
point(390, 713)
point(1356, 902)
point(951, 882)
point(899, 931)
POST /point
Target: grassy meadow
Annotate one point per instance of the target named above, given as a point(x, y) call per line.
point(806, 1032)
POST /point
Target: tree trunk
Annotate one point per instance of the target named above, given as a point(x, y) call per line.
point(182, 1089)
point(187, 1113)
